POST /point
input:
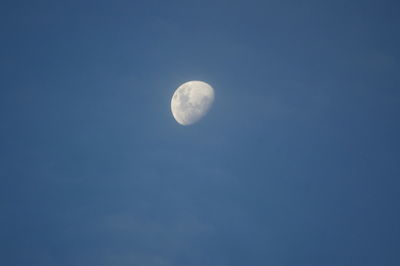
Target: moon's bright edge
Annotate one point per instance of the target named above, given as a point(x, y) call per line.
point(191, 101)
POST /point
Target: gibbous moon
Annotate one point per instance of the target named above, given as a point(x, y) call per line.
point(191, 101)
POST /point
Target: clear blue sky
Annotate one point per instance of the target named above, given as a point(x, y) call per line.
point(297, 163)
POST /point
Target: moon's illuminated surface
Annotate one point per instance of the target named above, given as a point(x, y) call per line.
point(191, 101)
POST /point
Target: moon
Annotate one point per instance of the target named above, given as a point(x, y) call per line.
point(191, 101)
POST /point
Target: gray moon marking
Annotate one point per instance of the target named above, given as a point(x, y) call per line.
point(191, 101)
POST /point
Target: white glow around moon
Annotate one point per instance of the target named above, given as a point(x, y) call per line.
point(191, 101)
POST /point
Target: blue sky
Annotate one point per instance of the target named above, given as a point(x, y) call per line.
point(296, 164)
